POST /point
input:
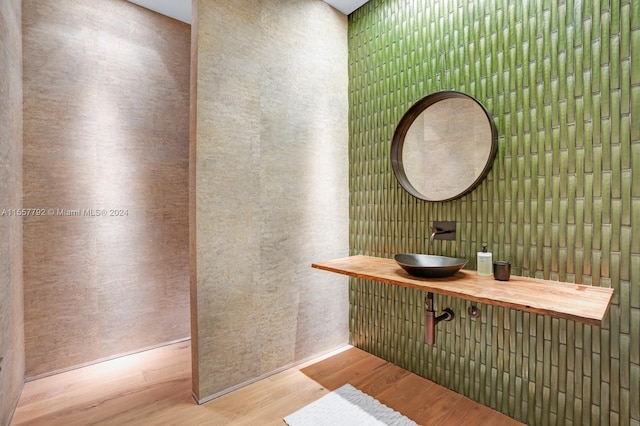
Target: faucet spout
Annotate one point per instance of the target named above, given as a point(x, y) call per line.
point(437, 231)
point(442, 230)
point(433, 236)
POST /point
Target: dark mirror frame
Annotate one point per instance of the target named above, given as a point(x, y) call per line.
point(403, 127)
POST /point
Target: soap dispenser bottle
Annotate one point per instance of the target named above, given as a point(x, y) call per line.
point(485, 262)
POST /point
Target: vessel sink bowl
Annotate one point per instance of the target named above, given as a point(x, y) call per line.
point(429, 266)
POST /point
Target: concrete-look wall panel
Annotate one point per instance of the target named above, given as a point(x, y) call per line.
point(106, 127)
point(269, 187)
point(11, 293)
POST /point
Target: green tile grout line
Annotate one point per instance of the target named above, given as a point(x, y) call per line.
point(562, 81)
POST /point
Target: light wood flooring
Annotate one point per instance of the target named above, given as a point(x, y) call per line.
point(154, 388)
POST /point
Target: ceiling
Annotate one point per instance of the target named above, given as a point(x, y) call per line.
point(181, 9)
point(177, 9)
point(346, 6)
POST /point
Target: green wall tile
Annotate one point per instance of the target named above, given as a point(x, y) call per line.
point(635, 58)
point(562, 81)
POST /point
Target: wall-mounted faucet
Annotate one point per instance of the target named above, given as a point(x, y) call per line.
point(443, 230)
point(431, 320)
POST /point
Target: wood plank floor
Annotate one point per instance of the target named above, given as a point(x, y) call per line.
point(154, 388)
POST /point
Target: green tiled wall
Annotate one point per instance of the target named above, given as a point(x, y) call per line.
point(562, 80)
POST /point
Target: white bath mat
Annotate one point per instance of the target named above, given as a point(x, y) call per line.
point(347, 406)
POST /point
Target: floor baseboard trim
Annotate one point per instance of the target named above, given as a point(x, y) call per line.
point(109, 358)
point(309, 360)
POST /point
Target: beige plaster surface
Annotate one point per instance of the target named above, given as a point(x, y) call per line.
point(106, 129)
point(11, 294)
point(269, 187)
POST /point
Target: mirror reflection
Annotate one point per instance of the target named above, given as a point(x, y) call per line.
point(444, 146)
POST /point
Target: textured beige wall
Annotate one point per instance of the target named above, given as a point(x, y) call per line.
point(11, 301)
point(106, 127)
point(269, 187)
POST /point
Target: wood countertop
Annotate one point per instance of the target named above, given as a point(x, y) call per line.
point(574, 302)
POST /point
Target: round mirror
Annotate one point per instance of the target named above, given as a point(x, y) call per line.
point(443, 146)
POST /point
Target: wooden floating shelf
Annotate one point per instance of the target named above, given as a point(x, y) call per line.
point(574, 302)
